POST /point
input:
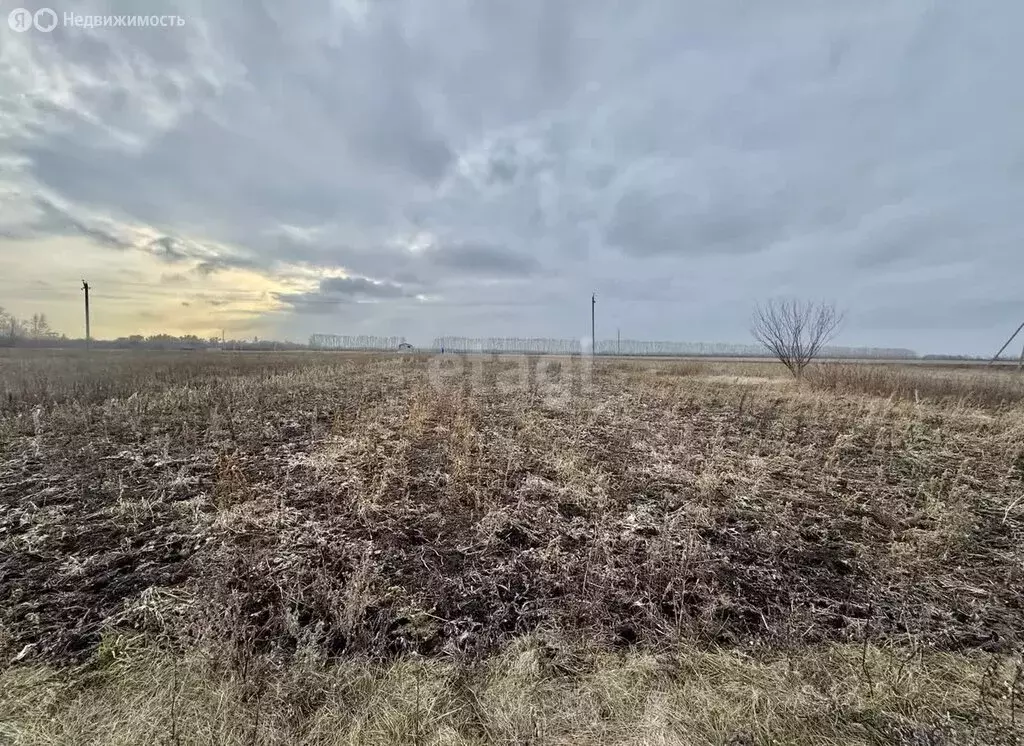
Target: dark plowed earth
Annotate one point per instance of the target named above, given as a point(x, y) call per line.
point(352, 505)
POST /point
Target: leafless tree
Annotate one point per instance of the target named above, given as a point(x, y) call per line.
point(10, 325)
point(39, 327)
point(794, 331)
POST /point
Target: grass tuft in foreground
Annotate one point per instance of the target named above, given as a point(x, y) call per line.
point(532, 692)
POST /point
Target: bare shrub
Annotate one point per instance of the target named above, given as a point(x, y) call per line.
point(795, 331)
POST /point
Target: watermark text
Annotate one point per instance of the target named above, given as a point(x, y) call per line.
point(557, 381)
point(47, 19)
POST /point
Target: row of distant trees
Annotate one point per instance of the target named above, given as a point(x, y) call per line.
point(172, 342)
point(635, 347)
point(796, 332)
point(36, 328)
point(36, 331)
point(354, 342)
point(192, 342)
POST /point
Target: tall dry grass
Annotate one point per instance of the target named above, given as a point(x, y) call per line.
point(533, 692)
point(331, 549)
point(961, 386)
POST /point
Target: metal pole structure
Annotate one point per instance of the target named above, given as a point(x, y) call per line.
point(618, 342)
point(593, 339)
point(88, 330)
point(1012, 337)
point(1020, 363)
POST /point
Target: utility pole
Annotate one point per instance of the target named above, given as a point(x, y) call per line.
point(88, 331)
point(1020, 363)
point(618, 342)
point(1012, 337)
point(593, 339)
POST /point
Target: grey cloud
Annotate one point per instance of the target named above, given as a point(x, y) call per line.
point(207, 267)
point(335, 291)
point(432, 267)
point(406, 277)
point(359, 286)
point(635, 288)
point(503, 170)
point(550, 148)
point(479, 259)
point(388, 121)
point(168, 249)
point(992, 315)
point(651, 224)
point(58, 220)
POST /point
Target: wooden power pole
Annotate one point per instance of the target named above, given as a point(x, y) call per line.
point(88, 330)
point(1012, 337)
point(593, 339)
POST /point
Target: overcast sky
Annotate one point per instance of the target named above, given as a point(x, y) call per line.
point(427, 167)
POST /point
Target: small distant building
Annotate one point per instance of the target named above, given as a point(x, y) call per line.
point(405, 347)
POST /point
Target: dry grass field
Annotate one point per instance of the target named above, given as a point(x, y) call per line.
point(317, 548)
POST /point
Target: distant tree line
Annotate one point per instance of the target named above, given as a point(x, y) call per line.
point(193, 342)
point(958, 357)
point(522, 345)
point(635, 347)
point(354, 342)
point(35, 330)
